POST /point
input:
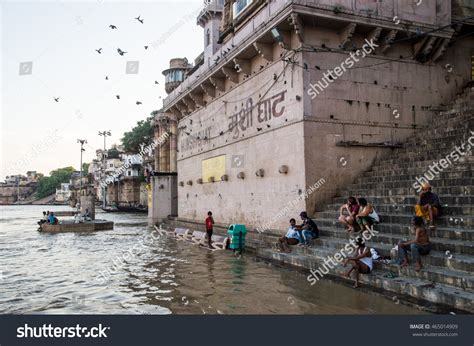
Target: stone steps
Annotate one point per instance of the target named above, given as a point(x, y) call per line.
point(444, 183)
point(409, 191)
point(450, 200)
point(454, 246)
point(453, 233)
point(382, 172)
point(406, 219)
point(439, 259)
point(459, 210)
point(456, 174)
point(418, 287)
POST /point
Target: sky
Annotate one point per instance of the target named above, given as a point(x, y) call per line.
point(48, 51)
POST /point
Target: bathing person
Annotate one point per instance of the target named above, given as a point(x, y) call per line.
point(367, 215)
point(292, 237)
point(308, 230)
point(418, 246)
point(428, 206)
point(209, 228)
point(362, 262)
point(348, 212)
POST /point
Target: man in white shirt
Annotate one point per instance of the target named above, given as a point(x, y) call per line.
point(292, 237)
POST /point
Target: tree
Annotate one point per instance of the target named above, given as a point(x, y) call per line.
point(142, 133)
point(85, 168)
point(48, 185)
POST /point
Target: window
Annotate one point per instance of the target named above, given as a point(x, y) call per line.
point(175, 76)
point(239, 6)
point(208, 37)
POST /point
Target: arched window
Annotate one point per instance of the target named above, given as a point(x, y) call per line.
point(208, 37)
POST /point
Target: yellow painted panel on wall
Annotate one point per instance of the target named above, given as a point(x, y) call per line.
point(213, 167)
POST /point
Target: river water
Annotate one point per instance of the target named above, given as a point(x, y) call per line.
point(116, 272)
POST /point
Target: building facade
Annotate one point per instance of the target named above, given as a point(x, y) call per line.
point(291, 100)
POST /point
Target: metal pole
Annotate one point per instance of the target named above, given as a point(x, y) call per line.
point(82, 142)
point(104, 166)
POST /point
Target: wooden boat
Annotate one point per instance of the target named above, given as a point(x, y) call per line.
point(70, 226)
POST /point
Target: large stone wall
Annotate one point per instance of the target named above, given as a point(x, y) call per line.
point(382, 103)
point(261, 141)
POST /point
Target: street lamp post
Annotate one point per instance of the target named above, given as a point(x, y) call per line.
point(82, 141)
point(105, 134)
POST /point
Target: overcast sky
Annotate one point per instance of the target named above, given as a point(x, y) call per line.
point(60, 39)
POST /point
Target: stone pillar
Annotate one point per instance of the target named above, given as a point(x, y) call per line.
point(173, 130)
point(88, 202)
point(164, 185)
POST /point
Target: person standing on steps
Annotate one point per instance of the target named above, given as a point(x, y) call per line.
point(428, 206)
point(418, 246)
point(209, 228)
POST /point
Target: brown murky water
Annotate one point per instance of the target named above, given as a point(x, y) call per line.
point(115, 272)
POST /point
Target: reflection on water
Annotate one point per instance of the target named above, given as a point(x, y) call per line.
point(116, 272)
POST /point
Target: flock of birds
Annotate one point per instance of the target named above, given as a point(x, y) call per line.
point(121, 53)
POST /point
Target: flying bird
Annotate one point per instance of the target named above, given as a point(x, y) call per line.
point(139, 19)
point(113, 27)
point(268, 125)
point(121, 52)
point(106, 77)
point(99, 50)
point(118, 97)
point(56, 99)
point(221, 133)
point(156, 82)
point(317, 67)
point(259, 129)
point(138, 103)
point(146, 47)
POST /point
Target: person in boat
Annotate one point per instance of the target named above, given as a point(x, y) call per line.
point(362, 262)
point(367, 215)
point(348, 212)
point(44, 219)
point(420, 246)
point(87, 215)
point(308, 230)
point(53, 220)
point(429, 205)
point(292, 237)
point(78, 218)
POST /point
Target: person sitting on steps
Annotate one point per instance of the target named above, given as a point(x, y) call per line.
point(348, 212)
point(428, 206)
point(418, 246)
point(367, 215)
point(362, 262)
point(308, 230)
point(292, 237)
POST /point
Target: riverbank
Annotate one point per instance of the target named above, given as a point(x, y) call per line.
point(386, 280)
point(58, 274)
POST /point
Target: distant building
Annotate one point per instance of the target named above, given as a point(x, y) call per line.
point(63, 194)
